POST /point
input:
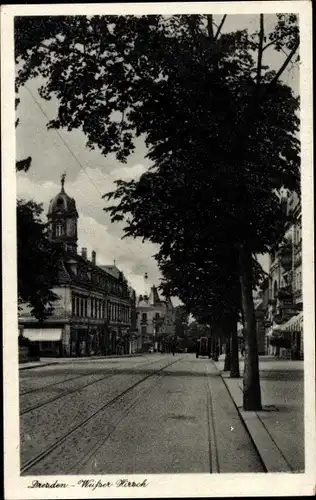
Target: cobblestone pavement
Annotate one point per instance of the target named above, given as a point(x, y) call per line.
point(148, 414)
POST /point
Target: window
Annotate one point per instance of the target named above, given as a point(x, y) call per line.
point(73, 305)
point(77, 306)
point(144, 317)
point(86, 307)
point(59, 229)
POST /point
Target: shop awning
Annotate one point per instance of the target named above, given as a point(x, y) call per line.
point(294, 323)
point(43, 334)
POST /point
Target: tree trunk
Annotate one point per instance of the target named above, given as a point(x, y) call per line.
point(214, 342)
point(227, 364)
point(234, 356)
point(251, 383)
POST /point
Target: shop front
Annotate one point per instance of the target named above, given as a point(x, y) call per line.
point(286, 340)
point(47, 342)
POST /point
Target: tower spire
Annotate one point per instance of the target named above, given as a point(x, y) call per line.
point(62, 179)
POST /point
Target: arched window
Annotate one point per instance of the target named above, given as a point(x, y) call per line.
point(59, 229)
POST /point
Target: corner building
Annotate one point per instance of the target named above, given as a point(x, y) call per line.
point(284, 319)
point(155, 321)
point(93, 313)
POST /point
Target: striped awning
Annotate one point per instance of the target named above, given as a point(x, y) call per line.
point(43, 334)
point(294, 323)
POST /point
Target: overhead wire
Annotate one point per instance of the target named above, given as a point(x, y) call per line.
point(69, 149)
point(65, 143)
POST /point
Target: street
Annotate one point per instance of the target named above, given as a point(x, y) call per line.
point(154, 413)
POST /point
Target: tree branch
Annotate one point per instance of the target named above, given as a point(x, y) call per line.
point(285, 64)
point(210, 26)
point(260, 50)
point(220, 26)
point(268, 45)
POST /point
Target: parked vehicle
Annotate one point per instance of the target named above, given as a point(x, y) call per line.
point(203, 347)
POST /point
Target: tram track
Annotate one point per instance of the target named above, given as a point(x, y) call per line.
point(48, 386)
point(38, 458)
point(72, 391)
point(213, 449)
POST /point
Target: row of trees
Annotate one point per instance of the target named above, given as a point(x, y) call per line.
point(221, 130)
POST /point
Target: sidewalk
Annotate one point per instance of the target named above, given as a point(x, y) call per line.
point(57, 361)
point(278, 430)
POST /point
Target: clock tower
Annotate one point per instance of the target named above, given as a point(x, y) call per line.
point(62, 219)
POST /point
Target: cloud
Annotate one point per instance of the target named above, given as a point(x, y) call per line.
point(95, 230)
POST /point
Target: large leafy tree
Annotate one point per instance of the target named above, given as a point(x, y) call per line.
point(219, 126)
point(181, 321)
point(38, 261)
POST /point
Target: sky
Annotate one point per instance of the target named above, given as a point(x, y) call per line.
point(89, 174)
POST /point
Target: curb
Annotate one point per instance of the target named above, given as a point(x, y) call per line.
point(32, 367)
point(270, 455)
point(74, 360)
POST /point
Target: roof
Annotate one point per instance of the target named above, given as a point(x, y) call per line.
point(62, 203)
point(113, 270)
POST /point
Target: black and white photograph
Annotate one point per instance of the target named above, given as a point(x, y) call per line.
point(158, 250)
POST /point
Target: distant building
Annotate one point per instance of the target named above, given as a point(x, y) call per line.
point(93, 313)
point(261, 307)
point(284, 318)
point(155, 320)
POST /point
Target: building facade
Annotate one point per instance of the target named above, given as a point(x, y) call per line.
point(93, 313)
point(284, 318)
point(155, 321)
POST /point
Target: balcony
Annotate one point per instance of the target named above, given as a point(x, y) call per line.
point(285, 255)
point(285, 294)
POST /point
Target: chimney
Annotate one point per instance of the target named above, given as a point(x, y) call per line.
point(93, 257)
point(84, 253)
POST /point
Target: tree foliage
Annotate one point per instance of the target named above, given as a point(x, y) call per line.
point(37, 261)
point(220, 127)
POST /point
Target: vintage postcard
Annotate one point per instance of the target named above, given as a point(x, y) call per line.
point(158, 250)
